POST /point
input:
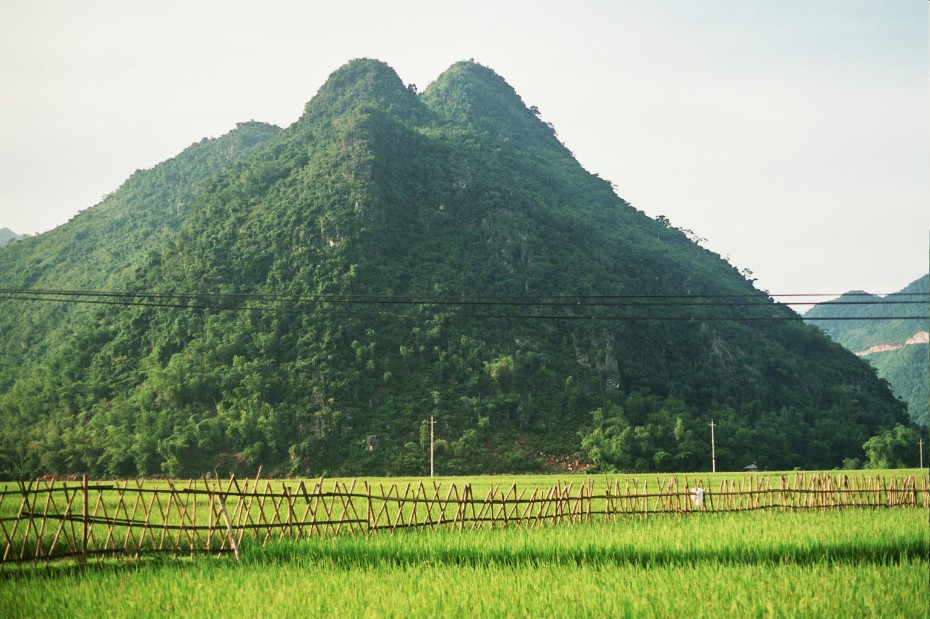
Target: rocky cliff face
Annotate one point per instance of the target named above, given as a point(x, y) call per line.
point(921, 337)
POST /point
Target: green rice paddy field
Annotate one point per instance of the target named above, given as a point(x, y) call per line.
point(853, 563)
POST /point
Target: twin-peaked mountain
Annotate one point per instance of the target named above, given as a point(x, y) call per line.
point(307, 302)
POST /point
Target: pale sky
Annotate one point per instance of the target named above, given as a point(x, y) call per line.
point(793, 135)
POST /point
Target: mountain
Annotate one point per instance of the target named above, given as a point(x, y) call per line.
point(391, 256)
point(7, 236)
point(100, 248)
point(896, 346)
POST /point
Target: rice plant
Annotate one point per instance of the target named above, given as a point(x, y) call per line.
point(767, 564)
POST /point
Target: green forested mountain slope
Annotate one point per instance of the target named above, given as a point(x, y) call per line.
point(403, 255)
point(889, 345)
point(860, 335)
point(100, 248)
point(906, 370)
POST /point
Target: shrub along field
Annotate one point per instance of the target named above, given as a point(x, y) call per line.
point(864, 562)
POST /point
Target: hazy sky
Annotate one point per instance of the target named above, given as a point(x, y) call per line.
point(793, 135)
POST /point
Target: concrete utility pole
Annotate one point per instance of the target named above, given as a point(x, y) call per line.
point(713, 456)
point(921, 453)
point(430, 445)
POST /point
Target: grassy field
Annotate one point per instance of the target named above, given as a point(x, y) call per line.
point(481, 483)
point(759, 564)
point(135, 516)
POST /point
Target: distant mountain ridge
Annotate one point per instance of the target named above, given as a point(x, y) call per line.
point(896, 347)
point(8, 236)
point(860, 335)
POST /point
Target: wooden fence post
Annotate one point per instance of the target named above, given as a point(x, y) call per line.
point(84, 519)
point(229, 530)
point(368, 502)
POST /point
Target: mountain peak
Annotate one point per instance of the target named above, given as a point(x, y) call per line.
point(475, 70)
point(473, 94)
point(362, 71)
point(361, 82)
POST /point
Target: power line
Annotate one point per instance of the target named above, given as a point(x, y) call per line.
point(539, 300)
point(328, 302)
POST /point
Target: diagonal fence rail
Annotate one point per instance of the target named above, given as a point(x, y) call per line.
point(42, 521)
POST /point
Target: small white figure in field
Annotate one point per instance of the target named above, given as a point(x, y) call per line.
point(697, 495)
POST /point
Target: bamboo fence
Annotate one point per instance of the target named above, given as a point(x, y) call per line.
point(42, 521)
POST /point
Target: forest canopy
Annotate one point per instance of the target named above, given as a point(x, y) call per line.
point(303, 299)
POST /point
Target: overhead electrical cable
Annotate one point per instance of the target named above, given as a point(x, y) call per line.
point(538, 300)
point(291, 303)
